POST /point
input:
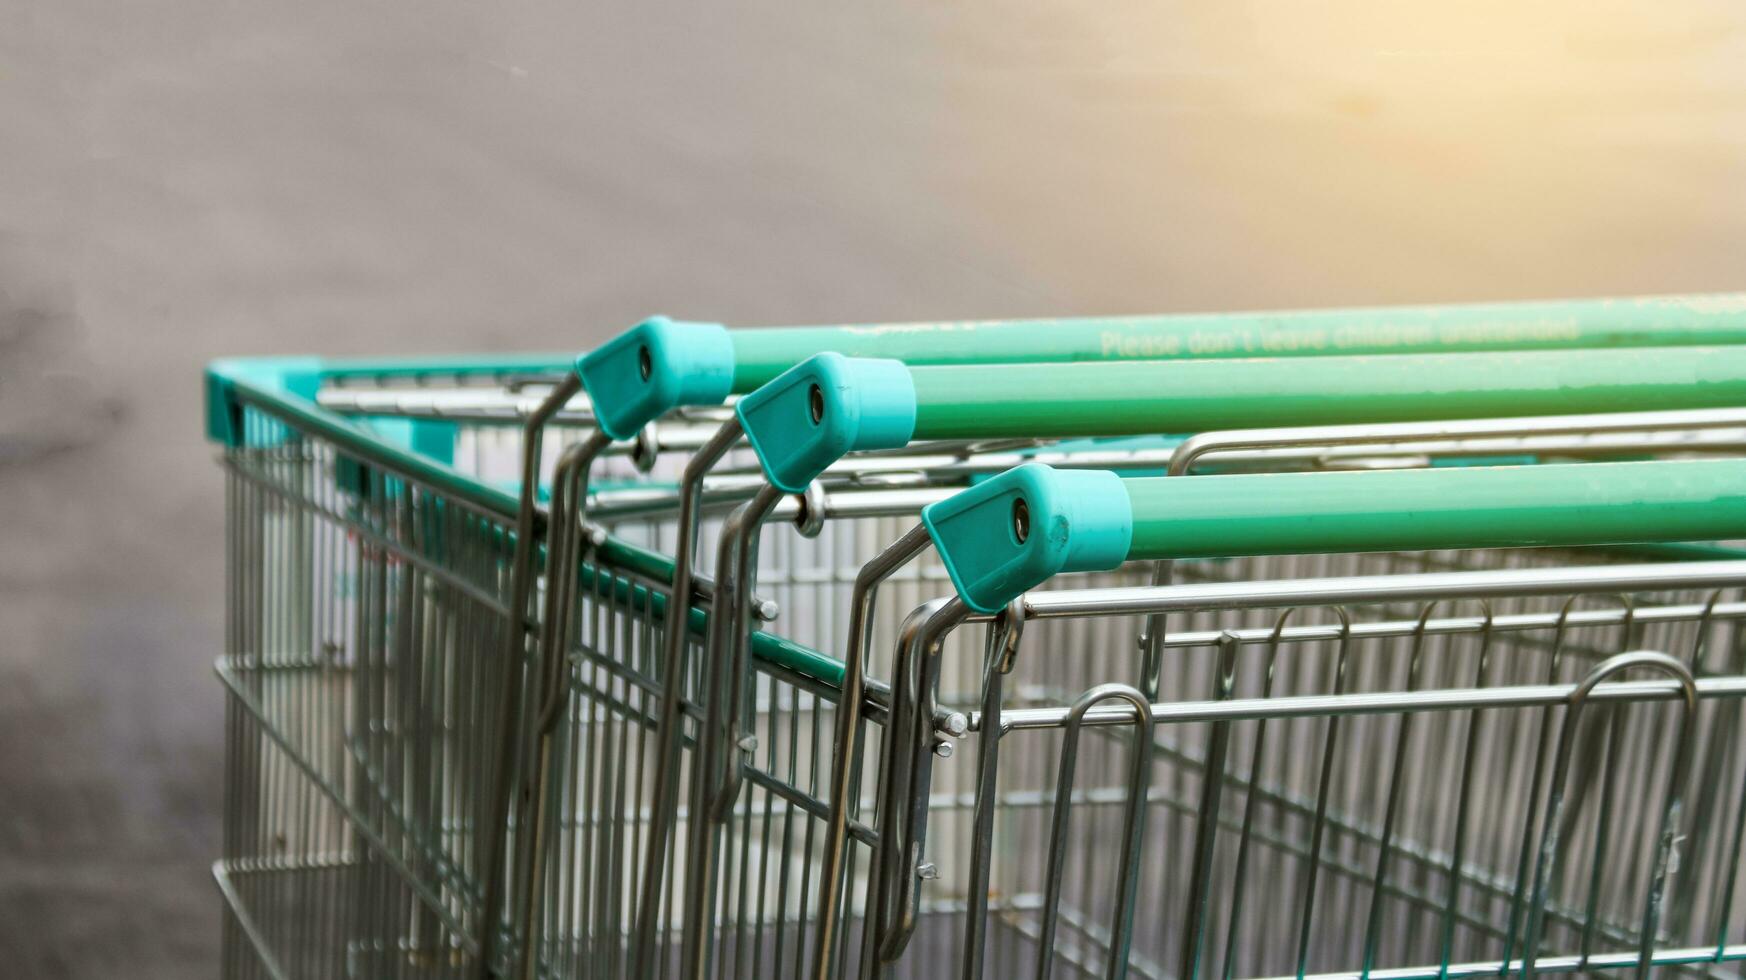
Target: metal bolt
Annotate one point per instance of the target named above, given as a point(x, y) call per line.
point(943, 749)
point(1021, 520)
point(1009, 628)
point(815, 403)
point(646, 450)
point(645, 362)
point(955, 724)
point(926, 871)
point(749, 743)
point(810, 518)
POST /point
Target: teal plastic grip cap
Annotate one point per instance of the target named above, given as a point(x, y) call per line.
point(807, 417)
point(1011, 533)
point(653, 368)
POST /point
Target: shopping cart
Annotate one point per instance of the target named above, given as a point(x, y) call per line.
point(798, 381)
point(1422, 752)
point(659, 365)
point(375, 511)
point(372, 511)
point(802, 420)
point(362, 581)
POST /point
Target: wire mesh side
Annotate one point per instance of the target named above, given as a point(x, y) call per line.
point(1265, 830)
point(365, 625)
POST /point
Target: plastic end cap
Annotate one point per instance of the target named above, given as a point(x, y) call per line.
point(1009, 534)
point(807, 417)
point(653, 368)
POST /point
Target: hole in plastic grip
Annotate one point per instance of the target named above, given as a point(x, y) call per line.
point(807, 417)
point(1072, 520)
point(655, 367)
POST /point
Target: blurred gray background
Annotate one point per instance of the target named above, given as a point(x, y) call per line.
point(181, 180)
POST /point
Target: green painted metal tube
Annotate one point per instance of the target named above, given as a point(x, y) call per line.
point(829, 405)
point(1154, 396)
point(764, 352)
point(1416, 510)
point(600, 577)
point(1015, 531)
point(761, 354)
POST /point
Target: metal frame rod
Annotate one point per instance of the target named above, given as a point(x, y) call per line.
point(514, 651)
point(672, 680)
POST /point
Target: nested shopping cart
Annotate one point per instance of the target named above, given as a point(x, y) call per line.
point(1401, 774)
point(800, 421)
point(373, 556)
point(661, 364)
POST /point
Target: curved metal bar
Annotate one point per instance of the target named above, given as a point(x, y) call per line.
point(1246, 835)
point(535, 779)
point(1385, 842)
point(1594, 727)
point(1214, 768)
point(742, 551)
point(675, 634)
point(1004, 635)
point(565, 534)
point(1134, 823)
point(515, 648)
point(1724, 731)
point(1724, 888)
point(715, 770)
point(1211, 794)
point(1526, 849)
point(923, 636)
point(891, 852)
point(571, 478)
point(1474, 720)
point(1329, 739)
point(888, 855)
point(848, 732)
point(1668, 836)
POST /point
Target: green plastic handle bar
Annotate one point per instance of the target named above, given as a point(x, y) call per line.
point(761, 354)
point(661, 364)
point(1136, 398)
point(1010, 534)
point(805, 420)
